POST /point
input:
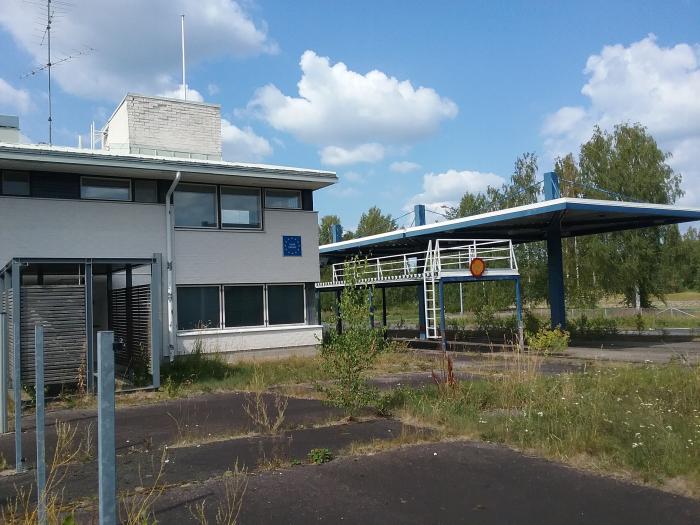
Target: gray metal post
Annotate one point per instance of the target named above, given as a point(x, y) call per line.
point(40, 428)
point(384, 307)
point(3, 356)
point(17, 362)
point(443, 334)
point(106, 455)
point(519, 313)
point(339, 321)
point(156, 318)
point(90, 346)
point(371, 307)
point(319, 321)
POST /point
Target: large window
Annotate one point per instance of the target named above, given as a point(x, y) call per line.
point(244, 305)
point(104, 188)
point(197, 307)
point(195, 206)
point(15, 183)
point(285, 303)
point(240, 207)
point(287, 199)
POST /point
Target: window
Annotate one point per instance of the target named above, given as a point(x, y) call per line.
point(240, 208)
point(285, 303)
point(15, 183)
point(288, 199)
point(195, 206)
point(105, 189)
point(145, 191)
point(244, 306)
point(197, 307)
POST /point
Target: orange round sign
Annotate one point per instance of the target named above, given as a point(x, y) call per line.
point(477, 266)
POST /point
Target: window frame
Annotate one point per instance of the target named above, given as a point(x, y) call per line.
point(221, 188)
point(217, 206)
point(13, 172)
point(219, 300)
point(263, 287)
point(83, 178)
point(298, 192)
point(303, 295)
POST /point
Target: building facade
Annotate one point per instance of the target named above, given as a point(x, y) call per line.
point(233, 247)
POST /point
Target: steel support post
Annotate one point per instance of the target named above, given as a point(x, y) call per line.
point(89, 340)
point(106, 454)
point(17, 361)
point(156, 318)
point(129, 307)
point(40, 427)
point(555, 271)
point(519, 313)
point(317, 295)
point(422, 324)
point(3, 372)
point(371, 307)
point(384, 307)
point(339, 321)
point(443, 334)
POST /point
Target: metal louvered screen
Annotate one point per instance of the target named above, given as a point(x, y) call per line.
point(131, 322)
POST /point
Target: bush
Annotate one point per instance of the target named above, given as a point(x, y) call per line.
point(348, 355)
point(594, 327)
point(547, 341)
point(320, 455)
point(193, 367)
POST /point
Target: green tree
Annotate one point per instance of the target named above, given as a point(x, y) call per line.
point(373, 222)
point(627, 164)
point(469, 204)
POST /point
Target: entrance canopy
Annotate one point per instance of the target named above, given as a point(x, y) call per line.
point(566, 217)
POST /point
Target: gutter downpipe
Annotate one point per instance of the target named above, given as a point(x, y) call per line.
point(169, 226)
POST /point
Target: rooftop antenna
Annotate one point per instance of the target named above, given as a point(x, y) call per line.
point(182, 38)
point(50, 15)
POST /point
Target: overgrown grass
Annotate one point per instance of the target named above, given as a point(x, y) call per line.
point(640, 419)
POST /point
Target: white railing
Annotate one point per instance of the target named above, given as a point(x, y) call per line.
point(444, 256)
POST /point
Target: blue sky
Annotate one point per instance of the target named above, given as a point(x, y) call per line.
point(458, 89)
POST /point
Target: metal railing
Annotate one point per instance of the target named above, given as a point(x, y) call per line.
point(444, 256)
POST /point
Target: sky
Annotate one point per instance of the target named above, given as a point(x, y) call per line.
point(407, 101)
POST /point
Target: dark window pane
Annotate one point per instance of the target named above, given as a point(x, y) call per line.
point(55, 185)
point(285, 303)
point(105, 189)
point(243, 305)
point(240, 208)
point(145, 191)
point(15, 183)
point(197, 307)
point(289, 199)
point(195, 206)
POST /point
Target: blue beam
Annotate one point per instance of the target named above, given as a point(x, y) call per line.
point(555, 277)
point(419, 214)
point(336, 233)
point(419, 220)
point(551, 186)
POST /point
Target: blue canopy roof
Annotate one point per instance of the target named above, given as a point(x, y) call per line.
point(568, 216)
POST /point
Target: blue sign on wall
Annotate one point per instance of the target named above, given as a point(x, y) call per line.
point(291, 245)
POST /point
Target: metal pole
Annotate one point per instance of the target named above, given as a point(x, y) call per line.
point(442, 315)
point(339, 321)
point(384, 324)
point(90, 345)
point(371, 307)
point(318, 307)
point(156, 318)
point(519, 313)
point(182, 35)
point(40, 428)
point(106, 455)
point(17, 362)
point(3, 372)
point(461, 300)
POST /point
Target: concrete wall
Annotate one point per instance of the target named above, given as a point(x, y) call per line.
point(228, 340)
point(75, 228)
point(234, 256)
point(169, 127)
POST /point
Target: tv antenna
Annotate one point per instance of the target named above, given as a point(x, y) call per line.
point(51, 12)
point(182, 40)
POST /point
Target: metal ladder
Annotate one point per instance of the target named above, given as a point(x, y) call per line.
point(430, 285)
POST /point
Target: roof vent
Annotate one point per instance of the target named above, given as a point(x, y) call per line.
point(9, 129)
point(165, 127)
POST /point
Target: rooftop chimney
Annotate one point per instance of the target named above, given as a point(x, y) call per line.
point(165, 127)
point(9, 129)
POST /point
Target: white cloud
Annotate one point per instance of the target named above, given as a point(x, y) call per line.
point(340, 108)
point(647, 83)
point(136, 43)
point(404, 166)
point(179, 92)
point(243, 144)
point(337, 156)
point(14, 100)
point(446, 189)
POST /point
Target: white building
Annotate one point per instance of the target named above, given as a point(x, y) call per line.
point(93, 230)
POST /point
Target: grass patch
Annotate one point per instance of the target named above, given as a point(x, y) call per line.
point(644, 420)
